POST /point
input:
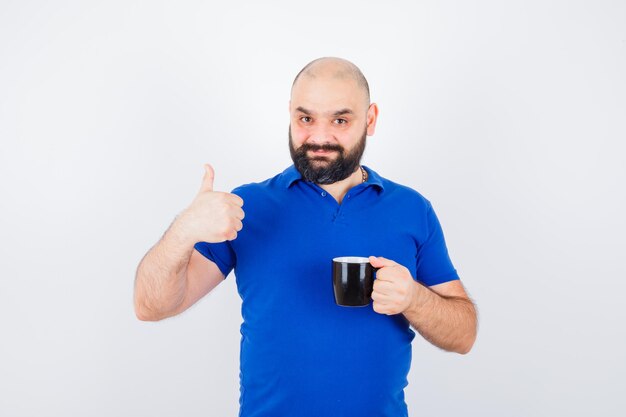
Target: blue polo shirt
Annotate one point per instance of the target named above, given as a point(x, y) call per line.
point(301, 354)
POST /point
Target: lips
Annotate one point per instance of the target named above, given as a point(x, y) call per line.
point(321, 152)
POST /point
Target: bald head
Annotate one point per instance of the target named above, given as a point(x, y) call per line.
point(336, 68)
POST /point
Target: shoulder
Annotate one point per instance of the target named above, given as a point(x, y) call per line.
point(260, 189)
point(404, 195)
point(276, 184)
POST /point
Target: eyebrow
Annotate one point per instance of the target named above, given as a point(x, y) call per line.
point(335, 114)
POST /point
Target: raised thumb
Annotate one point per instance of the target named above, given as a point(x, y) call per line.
point(207, 181)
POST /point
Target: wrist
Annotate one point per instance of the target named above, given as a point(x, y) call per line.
point(178, 231)
point(416, 296)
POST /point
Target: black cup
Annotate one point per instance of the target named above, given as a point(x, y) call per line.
point(353, 281)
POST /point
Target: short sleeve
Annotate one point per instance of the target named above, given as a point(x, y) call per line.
point(222, 254)
point(433, 262)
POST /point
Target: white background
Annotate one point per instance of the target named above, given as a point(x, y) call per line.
point(510, 116)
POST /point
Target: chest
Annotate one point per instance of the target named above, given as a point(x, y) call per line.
point(289, 245)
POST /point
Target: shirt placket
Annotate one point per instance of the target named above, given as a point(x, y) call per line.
point(339, 211)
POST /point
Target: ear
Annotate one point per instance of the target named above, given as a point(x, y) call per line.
point(372, 116)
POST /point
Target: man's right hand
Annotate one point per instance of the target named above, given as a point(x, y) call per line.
point(213, 216)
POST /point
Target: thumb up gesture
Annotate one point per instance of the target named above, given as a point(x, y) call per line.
point(213, 216)
point(207, 180)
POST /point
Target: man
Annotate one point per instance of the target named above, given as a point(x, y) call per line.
point(301, 354)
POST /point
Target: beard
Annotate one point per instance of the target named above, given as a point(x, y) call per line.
point(321, 169)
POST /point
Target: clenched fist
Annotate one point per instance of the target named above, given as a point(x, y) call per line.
point(213, 216)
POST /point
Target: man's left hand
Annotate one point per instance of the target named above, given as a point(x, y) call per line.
point(394, 287)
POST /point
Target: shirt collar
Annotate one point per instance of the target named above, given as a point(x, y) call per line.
point(373, 178)
point(291, 175)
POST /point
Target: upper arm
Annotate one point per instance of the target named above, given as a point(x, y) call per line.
point(202, 275)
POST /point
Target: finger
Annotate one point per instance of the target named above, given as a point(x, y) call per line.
point(376, 307)
point(383, 287)
point(380, 297)
point(238, 225)
point(207, 180)
point(380, 262)
point(386, 274)
point(380, 308)
point(236, 200)
point(239, 213)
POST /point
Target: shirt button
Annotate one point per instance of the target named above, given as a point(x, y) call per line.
point(323, 193)
point(348, 195)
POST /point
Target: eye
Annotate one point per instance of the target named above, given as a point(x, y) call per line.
point(305, 119)
point(341, 121)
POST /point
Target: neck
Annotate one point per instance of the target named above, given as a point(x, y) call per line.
point(340, 188)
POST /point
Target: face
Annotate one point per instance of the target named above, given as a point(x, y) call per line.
point(330, 121)
point(326, 163)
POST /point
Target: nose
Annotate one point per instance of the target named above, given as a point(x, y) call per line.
point(321, 134)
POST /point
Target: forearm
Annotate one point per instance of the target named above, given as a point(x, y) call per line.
point(160, 282)
point(449, 323)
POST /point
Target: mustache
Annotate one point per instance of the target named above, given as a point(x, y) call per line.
point(305, 147)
